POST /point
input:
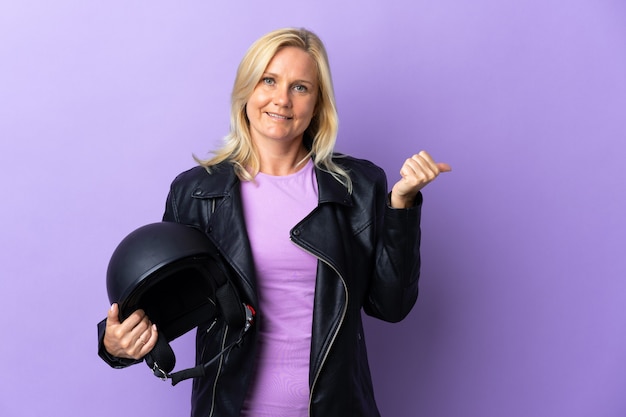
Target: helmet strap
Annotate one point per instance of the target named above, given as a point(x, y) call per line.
point(162, 360)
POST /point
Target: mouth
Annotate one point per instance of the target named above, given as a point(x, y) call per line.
point(278, 116)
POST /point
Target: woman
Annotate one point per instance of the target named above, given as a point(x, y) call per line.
point(314, 238)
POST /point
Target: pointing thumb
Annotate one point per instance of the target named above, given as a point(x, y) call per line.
point(443, 167)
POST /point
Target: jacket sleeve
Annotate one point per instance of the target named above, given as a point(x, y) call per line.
point(393, 288)
point(171, 209)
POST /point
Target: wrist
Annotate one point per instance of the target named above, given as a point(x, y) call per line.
point(400, 202)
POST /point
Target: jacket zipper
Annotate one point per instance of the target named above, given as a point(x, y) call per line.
point(332, 341)
point(217, 375)
point(207, 331)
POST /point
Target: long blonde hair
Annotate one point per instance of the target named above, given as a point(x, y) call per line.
point(321, 134)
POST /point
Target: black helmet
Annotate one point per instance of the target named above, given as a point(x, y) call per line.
point(175, 274)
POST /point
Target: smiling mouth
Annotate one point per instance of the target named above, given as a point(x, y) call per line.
point(278, 116)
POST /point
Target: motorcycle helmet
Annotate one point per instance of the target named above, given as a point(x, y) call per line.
point(175, 274)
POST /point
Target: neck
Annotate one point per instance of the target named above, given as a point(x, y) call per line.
point(280, 161)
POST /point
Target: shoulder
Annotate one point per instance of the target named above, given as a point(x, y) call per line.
point(201, 181)
point(360, 170)
point(195, 174)
point(189, 190)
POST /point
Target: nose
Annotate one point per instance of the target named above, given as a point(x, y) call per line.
point(282, 98)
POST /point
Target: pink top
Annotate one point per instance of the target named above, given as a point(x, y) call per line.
point(286, 286)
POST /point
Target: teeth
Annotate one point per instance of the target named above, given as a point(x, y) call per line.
point(277, 116)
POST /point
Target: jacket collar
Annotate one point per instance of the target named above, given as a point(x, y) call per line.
point(220, 183)
point(330, 190)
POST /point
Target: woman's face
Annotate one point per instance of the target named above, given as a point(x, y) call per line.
point(283, 102)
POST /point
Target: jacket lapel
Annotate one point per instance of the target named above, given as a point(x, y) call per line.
point(226, 224)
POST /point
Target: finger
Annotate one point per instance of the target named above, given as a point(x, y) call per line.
point(140, 328)
point(443, 167)
point(138, 342)
point(150, 341)
point(412, 172)
point(437, 167)
point(113, 315)
point(145, 342)
point(135, 320)
point(434, 166)
point(422, 167)
point(426, 156)
point(142, 340)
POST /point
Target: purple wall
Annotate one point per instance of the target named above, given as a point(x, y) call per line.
point(521, 311)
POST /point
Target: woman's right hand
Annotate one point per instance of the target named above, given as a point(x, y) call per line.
point(133, 338)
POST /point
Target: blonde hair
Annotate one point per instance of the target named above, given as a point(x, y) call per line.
point(321, 134)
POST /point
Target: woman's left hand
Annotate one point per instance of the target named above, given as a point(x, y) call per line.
point(417, 172)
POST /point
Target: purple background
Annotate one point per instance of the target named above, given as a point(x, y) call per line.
point(522, 305)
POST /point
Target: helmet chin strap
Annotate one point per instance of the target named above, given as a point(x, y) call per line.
point(162, 360)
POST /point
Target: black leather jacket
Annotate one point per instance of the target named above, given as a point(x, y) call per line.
point(368, 259)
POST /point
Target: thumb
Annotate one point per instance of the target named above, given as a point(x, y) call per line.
point(113, 315)
point(443, 167)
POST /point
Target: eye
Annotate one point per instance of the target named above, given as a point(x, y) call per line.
point(268, 81)
point(300, 88)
